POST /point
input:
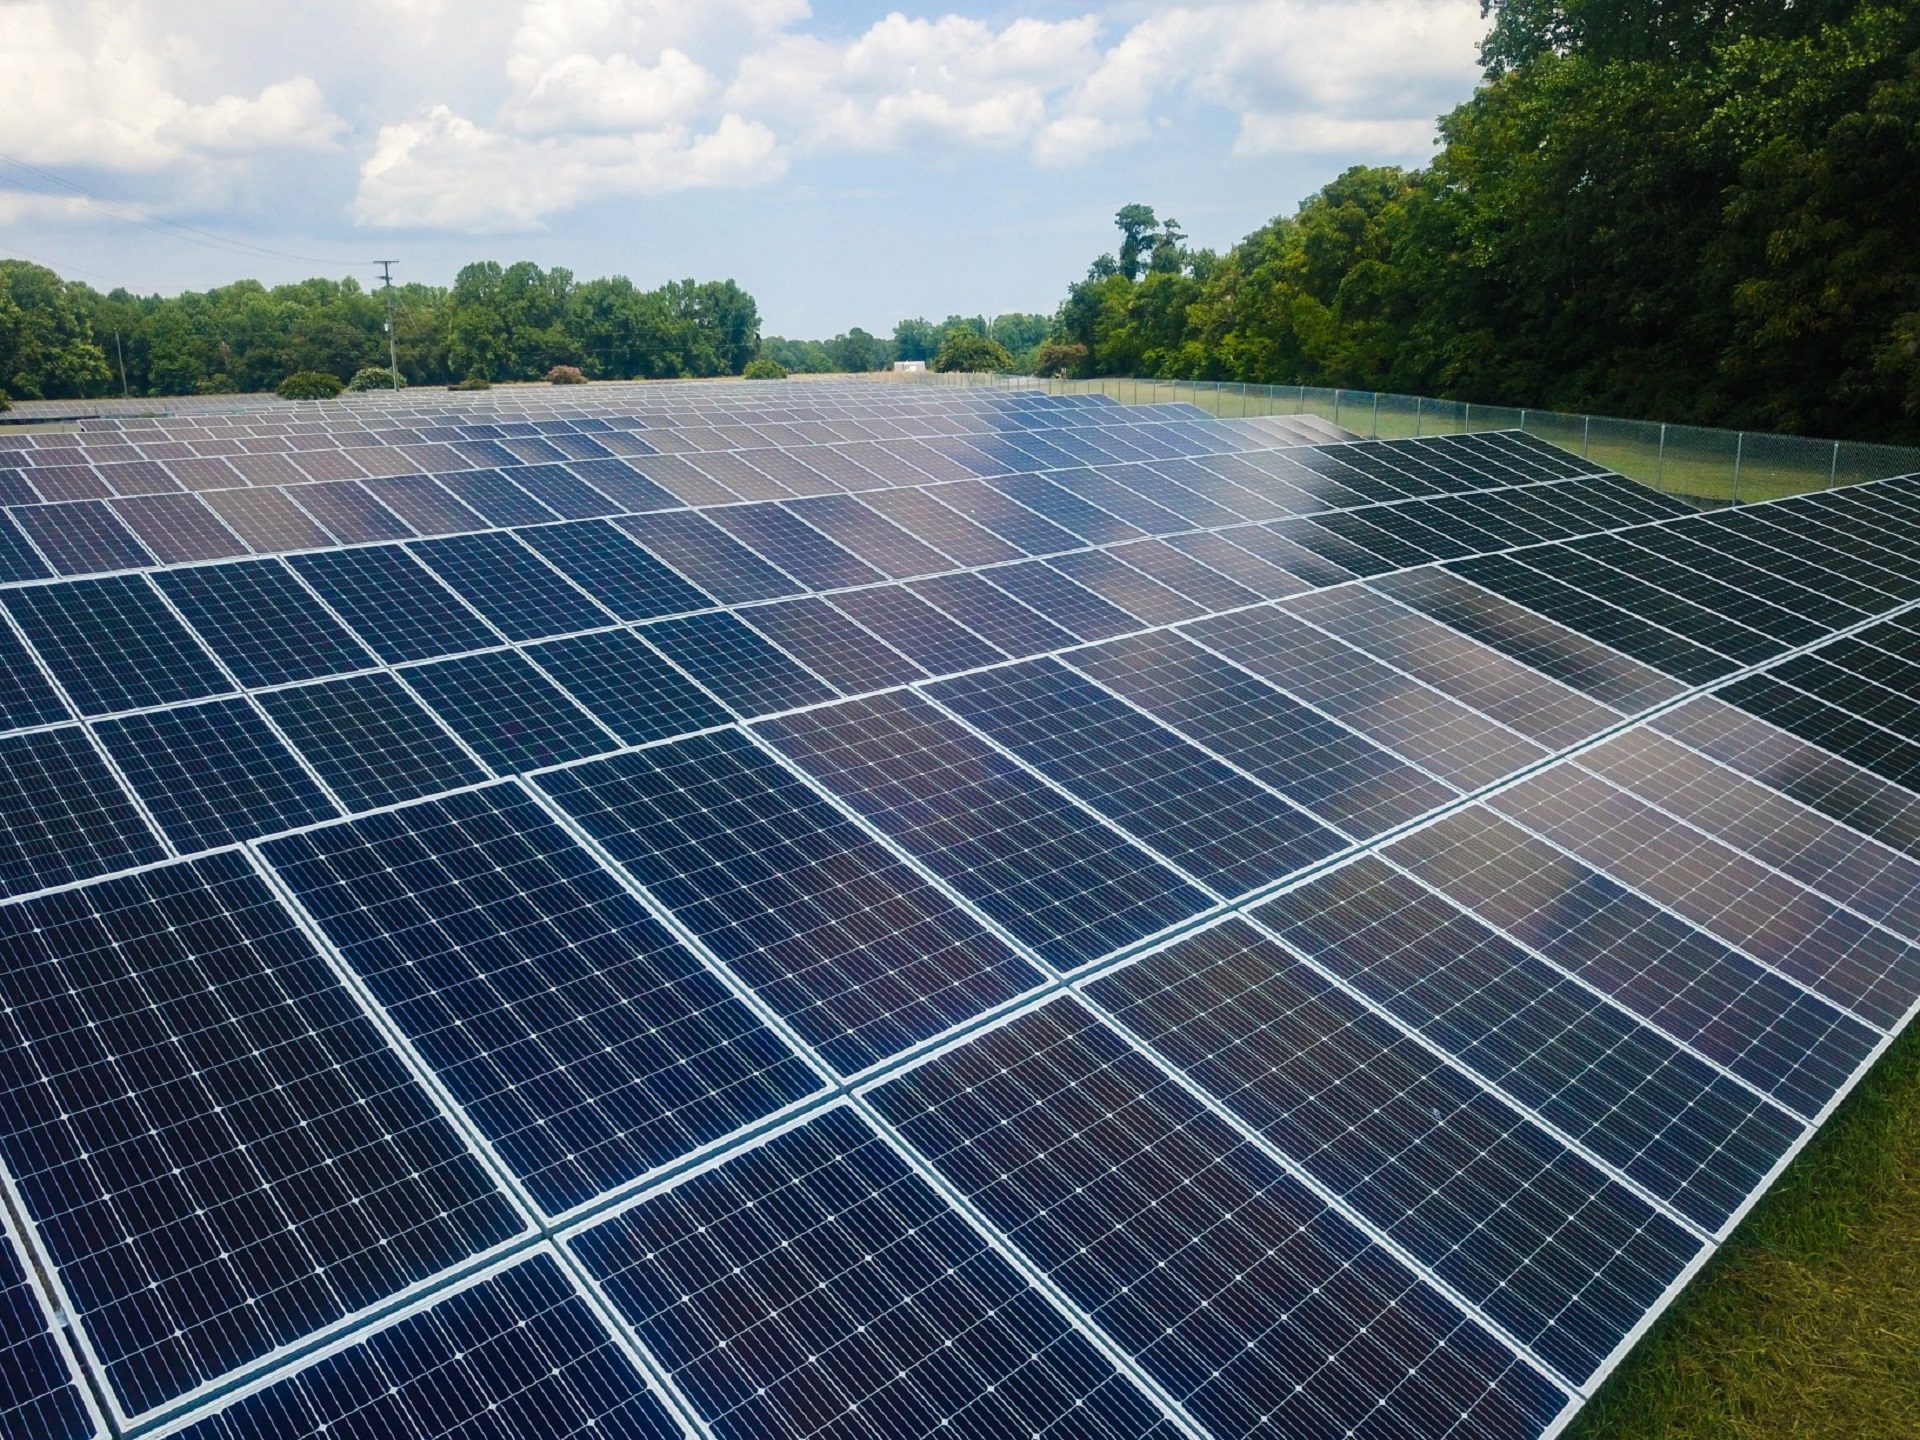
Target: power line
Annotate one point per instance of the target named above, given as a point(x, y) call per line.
point(191, 232)
point(393, 344)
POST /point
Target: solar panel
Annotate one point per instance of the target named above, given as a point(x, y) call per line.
point(927, 911)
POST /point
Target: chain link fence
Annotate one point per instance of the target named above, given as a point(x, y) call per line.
point(1723, 467)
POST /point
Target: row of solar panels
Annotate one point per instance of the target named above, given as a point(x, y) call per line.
point(125, 646)
point(1029, 791)
point(84, 536)
point(743, 428)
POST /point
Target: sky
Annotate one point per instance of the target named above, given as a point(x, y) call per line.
point(848, 163)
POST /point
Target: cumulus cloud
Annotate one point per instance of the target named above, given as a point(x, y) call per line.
point(98, 85)
point(503, 114)
point(444, 171)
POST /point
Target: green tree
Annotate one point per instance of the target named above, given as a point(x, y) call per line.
point(1137, 226)
point(966, 350)
point(47, 347)
point(915, 339)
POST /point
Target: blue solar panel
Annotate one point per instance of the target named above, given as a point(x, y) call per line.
point(1185, 989)
point(734, 1278)
point(263, 1164)
point(523, 598)
point(1131, 1196)
point(735, 664)
point(519, 1354)
point(212, 774)
point(507, 712)
point(615, 571)
point(66, 815)
point(369, 740)
point(1057, 878)
point(629, 686)
point(264, 627)
point(860, 954)
point(113, 645)
point(394, 604)
point(587, 1044)
point(1219, 826)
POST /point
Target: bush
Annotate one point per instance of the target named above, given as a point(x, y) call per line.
point(375, 377)
point(309, 385)
point(5, 403)
point(566, 375)
point(969, 351)
point(764, 367)
point(472, 382)
point(1059, 357)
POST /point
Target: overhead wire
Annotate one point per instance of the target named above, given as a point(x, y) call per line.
point(111, 208)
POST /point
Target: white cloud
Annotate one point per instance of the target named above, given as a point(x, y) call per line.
point(443, 171)
point(585, 94)
point(99, 85)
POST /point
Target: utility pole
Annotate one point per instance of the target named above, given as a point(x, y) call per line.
point(393, 348)
point(124, 391)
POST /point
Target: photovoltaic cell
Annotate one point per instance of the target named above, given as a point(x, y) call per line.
point(1666, 1118)
point(212, 774)
point(1565, 1258)
point(743, 670)
point(582, 1039)
point(26, 698)
point(994, 615)
point(524, 598)
point(1228, 1281)
point(1319, 764)
point(369, 740)
point(39, 1396)
point(393, 603)
point(1760, 1026)
point(917, 629)
point(1225, 830)
point(262, 624)
point(518, 1354)
point(219, 1151)
point(858, 952)
point(734, 1277)
point(851, 659)
point(1054, 876)
point(629, 686)
point(709, 558)
point(511, 715)
point(112, 645)
point(615, 571)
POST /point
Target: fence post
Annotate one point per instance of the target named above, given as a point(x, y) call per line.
point(1739, 444)
point(1374, 434)
point(1523, 419)
point(1660, 460)
point(1417, 403)
point(1300, 407)
point(1466, 418)
point(1586, 438)
point(1336, 404)
point(1833, 470)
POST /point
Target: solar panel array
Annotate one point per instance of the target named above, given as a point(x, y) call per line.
point(852, 911)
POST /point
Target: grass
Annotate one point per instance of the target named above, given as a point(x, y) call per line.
point(1696, 463)
point(1807, 1322)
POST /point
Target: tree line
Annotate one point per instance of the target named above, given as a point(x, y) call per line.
point(61, 339)
point(1020, 336)
point(1690, 212)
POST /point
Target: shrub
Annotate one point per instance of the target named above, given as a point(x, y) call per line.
point(5, 403)
point(764, 367)
point(472, 382)
point(375, 377)
point(966, 350)
point(309, 385)
point(566, 375)
point(1059, 357)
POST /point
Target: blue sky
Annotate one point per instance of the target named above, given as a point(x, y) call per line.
point(848, 163)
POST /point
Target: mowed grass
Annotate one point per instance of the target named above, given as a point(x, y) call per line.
point(1807, 1322)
